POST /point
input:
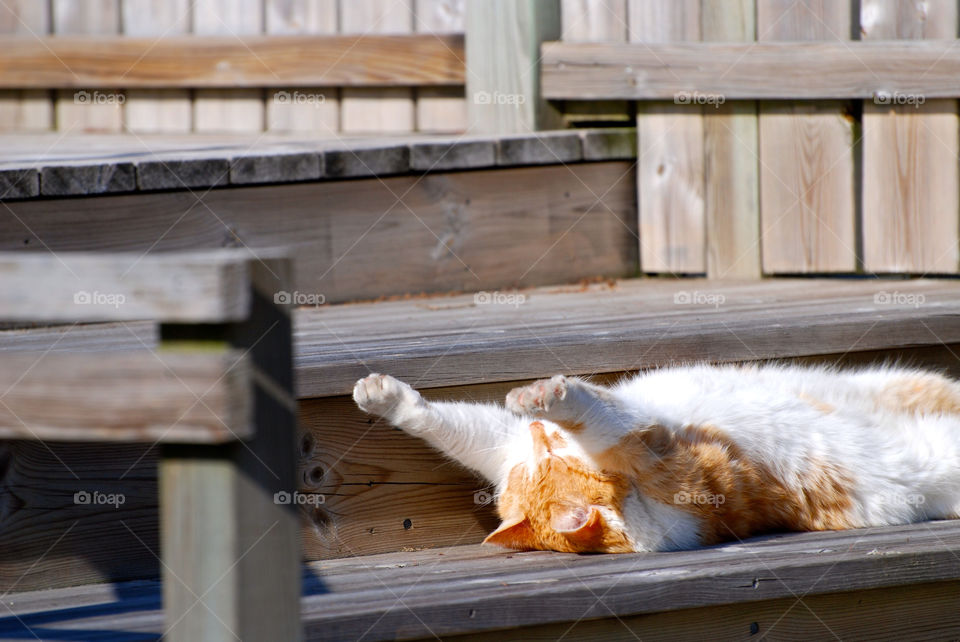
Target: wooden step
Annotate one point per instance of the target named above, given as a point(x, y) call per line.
point(378, 490)
point(896, 582)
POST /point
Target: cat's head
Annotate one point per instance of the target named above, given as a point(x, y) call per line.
point(556, 501)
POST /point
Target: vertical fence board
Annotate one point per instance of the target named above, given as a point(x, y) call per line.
point(503, 65)
point(228, 110)
point(378, 110)
point(670, 153)
point(731, 188)
point(157, 110)
point(89, 108)
point(595, 21)
point(301, 109)
point(807, 204)
point(440, 109)
point(911, 205)
point(30, 110)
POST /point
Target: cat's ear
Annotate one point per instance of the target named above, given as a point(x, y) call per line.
point(579, 523)
point(514, 534)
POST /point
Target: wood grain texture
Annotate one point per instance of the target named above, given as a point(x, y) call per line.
point(918, 612)
point(303, 109)
point(670, 160)
point(153, 111)
point(29, 109)
point(257, 61)
point(911, 182)
point(228, 535)
point(731, 150)
point(632, 325)
point(68, 287)
point(440, 109)
point(807, 205)
point(229, 110)
point(799, 70)
point(540, 234)
point(174, 397)
point(92, 107)
point(503, 54)
point(381, 110)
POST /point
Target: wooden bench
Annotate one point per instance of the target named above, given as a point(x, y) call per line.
point(215, 394)
point(393, 550)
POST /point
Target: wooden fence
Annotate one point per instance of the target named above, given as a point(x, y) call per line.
point(828, 156)
point(389, 104)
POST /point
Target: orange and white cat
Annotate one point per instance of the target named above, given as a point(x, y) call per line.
point(683, 457)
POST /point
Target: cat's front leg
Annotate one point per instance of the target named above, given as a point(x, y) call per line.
point(593, 413)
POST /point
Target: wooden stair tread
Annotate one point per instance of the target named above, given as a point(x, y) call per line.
point(474, 588)
point(602, 328)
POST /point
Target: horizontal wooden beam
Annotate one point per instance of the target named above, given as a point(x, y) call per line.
point(895, 72)
point(247, 61)
point(199, 286)
point(169, 396)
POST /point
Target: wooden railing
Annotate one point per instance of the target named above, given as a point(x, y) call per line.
point(216, 398)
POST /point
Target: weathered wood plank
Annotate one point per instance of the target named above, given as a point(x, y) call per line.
point(911, 180)
point(731, 150)
point(770, 70)
point(260, 61)
point(149, 110)
point(807, 205)
point(93, 107)
point(539, 234)
point(920, 612)
point(386, 109)
point(86, 286)
point(670, 153)
point(503, 50)
point(229, 538)
point(535, 333)
point(303, 109)
point(31, 109)
point(171, 396)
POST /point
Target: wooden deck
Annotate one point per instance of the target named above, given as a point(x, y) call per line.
point(896, 583)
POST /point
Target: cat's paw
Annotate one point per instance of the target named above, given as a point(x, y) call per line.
point(538, 397)
point(384, 396)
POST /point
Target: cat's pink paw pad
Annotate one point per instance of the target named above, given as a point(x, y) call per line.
point(380, 394)
point(538, 397)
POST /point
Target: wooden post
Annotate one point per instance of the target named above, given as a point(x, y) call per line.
point(503, 65)
point(731, 189)
point(229, 535)
point(440, 109)
point(910, 186)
